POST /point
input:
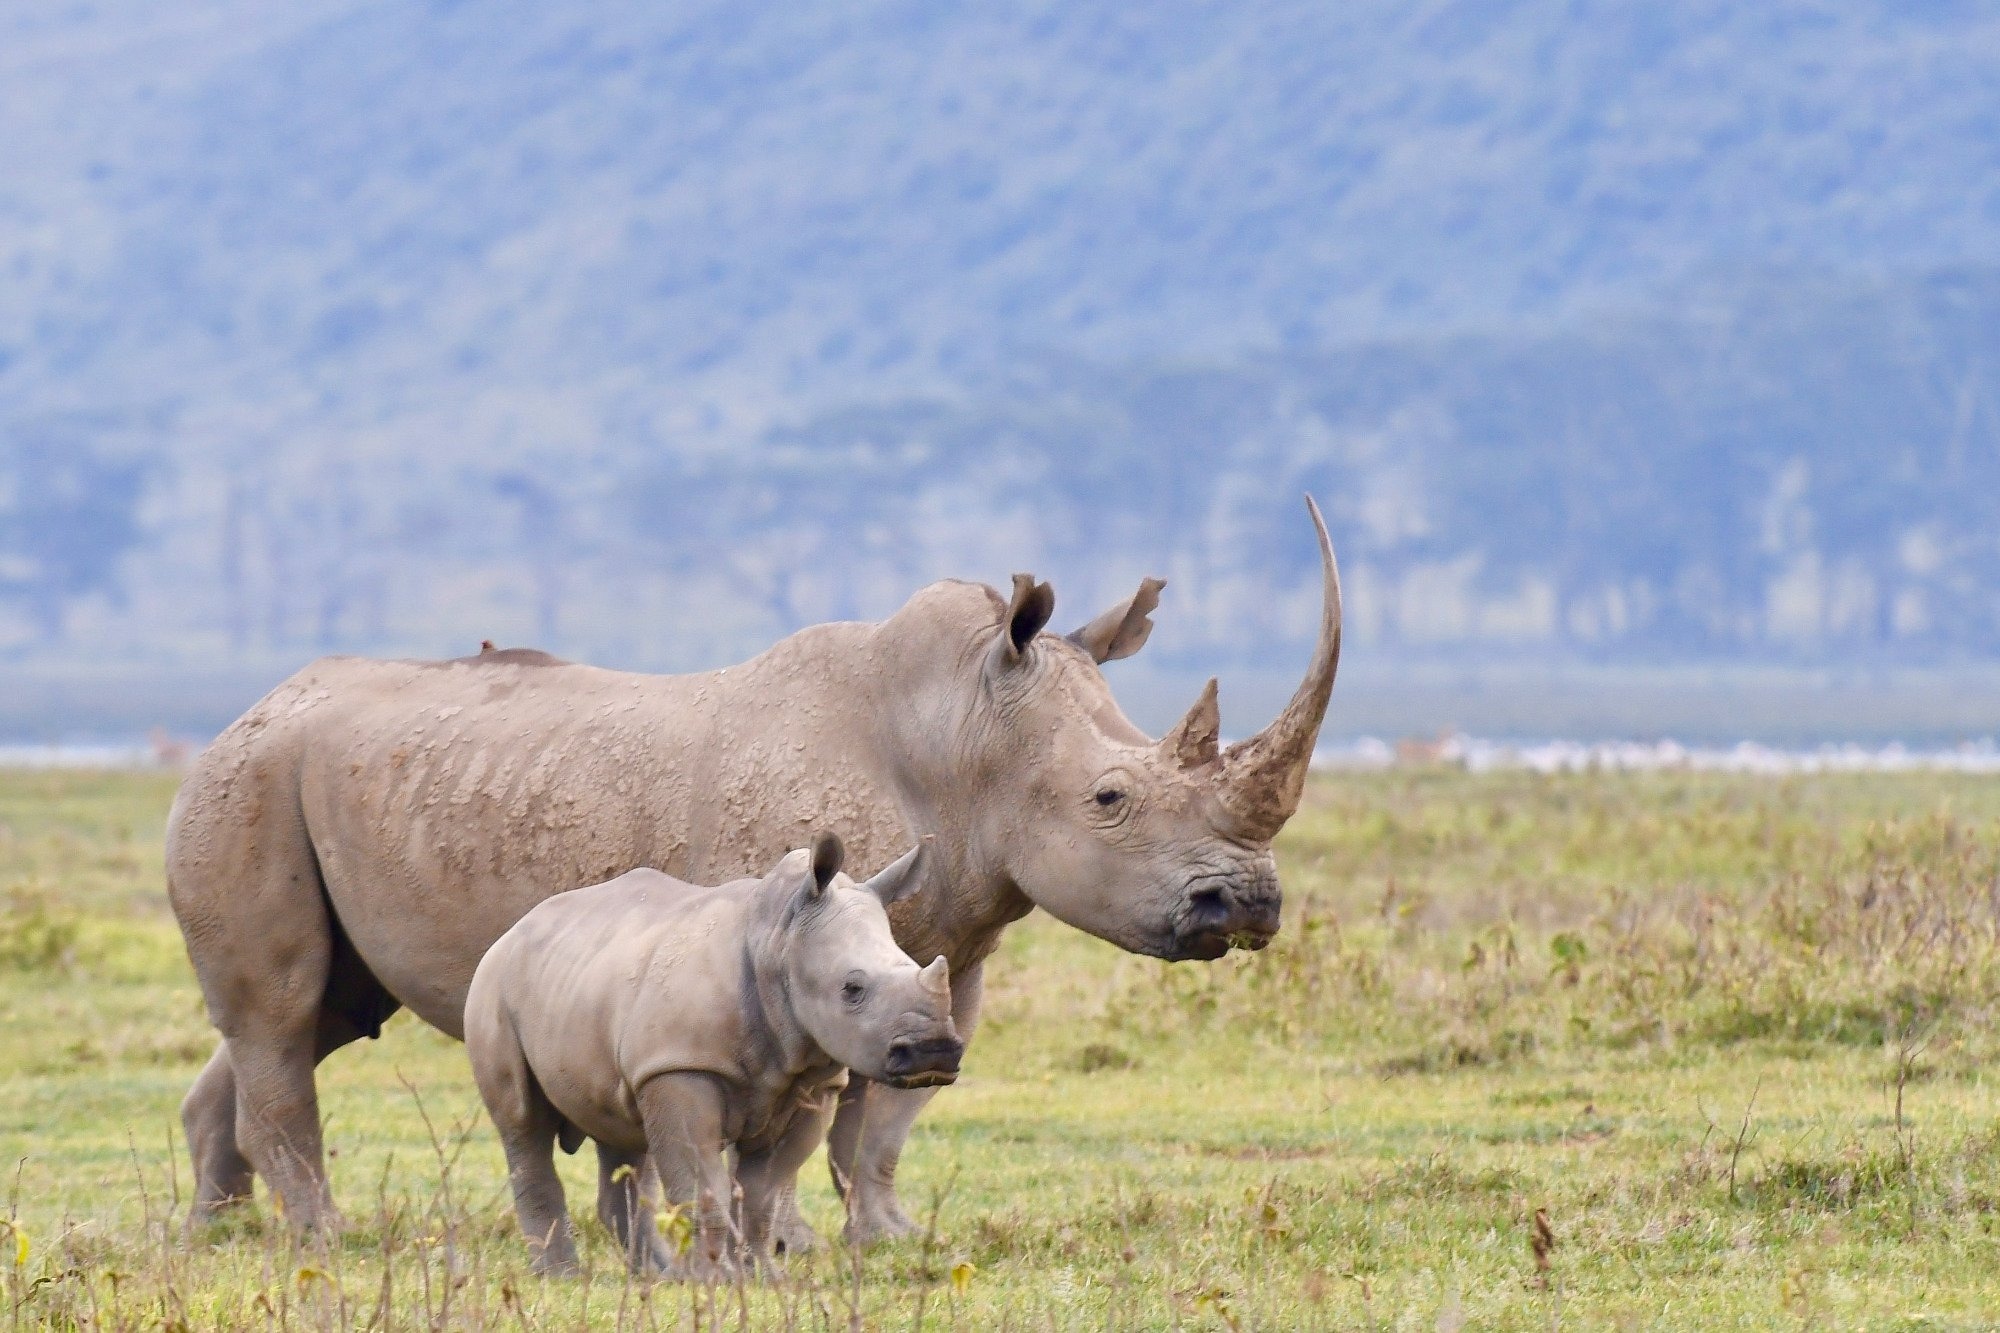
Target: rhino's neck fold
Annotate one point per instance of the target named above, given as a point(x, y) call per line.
point(865, 729)
point(929, 748)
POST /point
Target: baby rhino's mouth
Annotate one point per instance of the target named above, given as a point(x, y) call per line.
point(930, 1063)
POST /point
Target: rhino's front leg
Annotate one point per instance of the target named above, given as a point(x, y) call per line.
point(872, 1125)
point(881, 1117)
point(770, 1179)
point(684, 1115)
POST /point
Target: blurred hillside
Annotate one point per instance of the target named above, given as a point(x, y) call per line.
point(1619, 334)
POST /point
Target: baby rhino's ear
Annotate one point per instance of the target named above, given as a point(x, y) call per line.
point(901, 877)
point(827, 854)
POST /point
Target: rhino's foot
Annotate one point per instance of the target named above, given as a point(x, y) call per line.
point(552, 1249)
point(556, 1265)
point(229, 1210)
point(872, 1221)
point(653, 1260)
point(704, 1269)
point(794, 1235)
point(325, 1225)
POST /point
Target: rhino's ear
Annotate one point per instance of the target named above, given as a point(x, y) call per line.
point(1124, 629)
point(902, 876)
point(1027, 612)
point(827, 855)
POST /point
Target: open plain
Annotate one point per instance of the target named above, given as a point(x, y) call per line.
point(1648, 1050)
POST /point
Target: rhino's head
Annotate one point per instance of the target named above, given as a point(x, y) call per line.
point(1162, 847)
point(863, 1000)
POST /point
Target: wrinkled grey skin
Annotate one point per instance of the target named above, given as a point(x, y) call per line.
point(359, 838)
point(687, 1024)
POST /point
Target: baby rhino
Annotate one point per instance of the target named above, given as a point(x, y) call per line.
point(654, 1016)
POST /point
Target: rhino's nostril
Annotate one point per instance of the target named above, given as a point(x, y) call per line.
point(1208, 905)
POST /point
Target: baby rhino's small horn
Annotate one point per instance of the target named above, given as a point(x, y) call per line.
point(937, 977)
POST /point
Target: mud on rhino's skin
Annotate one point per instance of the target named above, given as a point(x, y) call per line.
point(669, 1023)
point(360, 837)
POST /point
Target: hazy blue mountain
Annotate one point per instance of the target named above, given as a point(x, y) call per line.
point(1629, 332)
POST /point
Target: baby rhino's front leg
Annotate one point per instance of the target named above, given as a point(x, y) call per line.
point(684, 1118)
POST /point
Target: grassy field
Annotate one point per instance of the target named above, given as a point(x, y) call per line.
point(1726, 1044)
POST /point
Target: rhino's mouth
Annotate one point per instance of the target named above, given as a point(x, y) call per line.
point(1205, 946)
point(1209, 943)
point(1236, 907)
point(929, 1078)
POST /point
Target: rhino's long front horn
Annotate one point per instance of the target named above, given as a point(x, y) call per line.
point(1263, 777)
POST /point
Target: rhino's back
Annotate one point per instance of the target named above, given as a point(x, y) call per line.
point(440, 801)
point(399, 736)
point(348, 703)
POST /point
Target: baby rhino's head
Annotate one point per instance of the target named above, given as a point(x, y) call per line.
point(864, 1000)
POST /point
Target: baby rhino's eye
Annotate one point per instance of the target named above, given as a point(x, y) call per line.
point(1109, 796)
point(852, 992)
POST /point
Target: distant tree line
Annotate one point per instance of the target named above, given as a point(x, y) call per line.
point(1767, 473)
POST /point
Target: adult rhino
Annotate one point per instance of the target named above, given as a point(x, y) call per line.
point(355, 842)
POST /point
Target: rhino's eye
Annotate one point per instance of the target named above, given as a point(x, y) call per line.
point(1109, 796)
point(852, 992)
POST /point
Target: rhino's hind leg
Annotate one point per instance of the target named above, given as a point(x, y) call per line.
point(528, 1124)
point(539, 1203)
point(222, 1175)
point(277, 1120)
point(354, 1007)
point(280, 979)
point(276, 1030)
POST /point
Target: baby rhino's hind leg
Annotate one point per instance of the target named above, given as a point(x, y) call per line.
point(528, 1123)
point(626, 1202)
point(538, 1198)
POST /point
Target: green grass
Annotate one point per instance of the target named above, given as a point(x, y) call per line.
point(1674, 1013)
